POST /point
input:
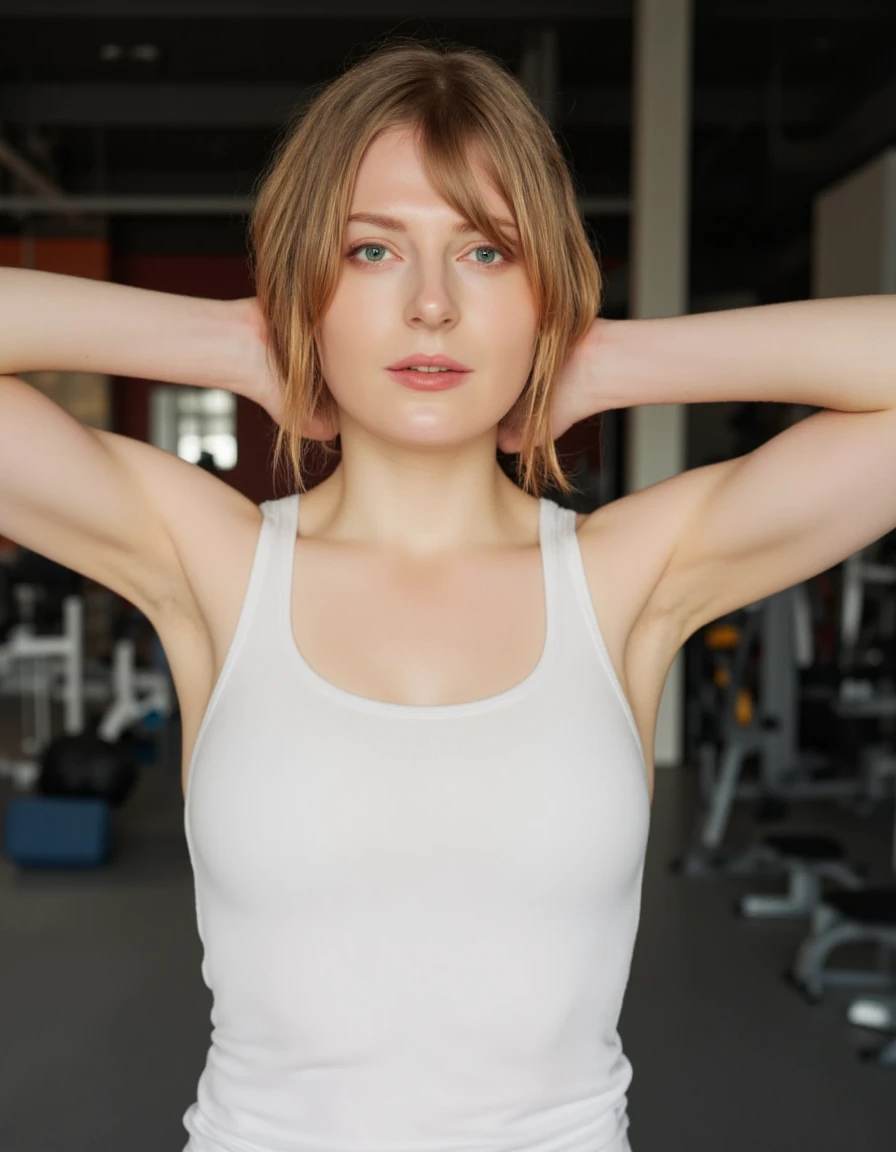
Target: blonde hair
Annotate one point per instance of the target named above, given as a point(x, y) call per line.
point(458, 99)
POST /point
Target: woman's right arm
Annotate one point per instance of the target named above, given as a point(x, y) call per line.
point(71, 324)
point(112, 508)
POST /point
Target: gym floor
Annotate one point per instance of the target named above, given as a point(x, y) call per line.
point(106, 1019)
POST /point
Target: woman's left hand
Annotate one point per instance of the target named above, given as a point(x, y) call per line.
point(575, 394)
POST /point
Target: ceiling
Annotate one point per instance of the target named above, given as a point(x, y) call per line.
point(184, 98)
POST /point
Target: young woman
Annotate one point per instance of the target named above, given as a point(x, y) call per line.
point(419, 700)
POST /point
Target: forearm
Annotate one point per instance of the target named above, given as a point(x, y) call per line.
point(69, 323)
point(838, 354)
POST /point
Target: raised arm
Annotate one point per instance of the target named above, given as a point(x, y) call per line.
point(109, 507)
point(72, 324)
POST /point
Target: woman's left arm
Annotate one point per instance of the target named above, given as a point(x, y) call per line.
point(802, 502)
point(837, 354)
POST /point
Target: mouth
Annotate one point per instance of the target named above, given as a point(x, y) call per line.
point(428, 363)
point(428, 381)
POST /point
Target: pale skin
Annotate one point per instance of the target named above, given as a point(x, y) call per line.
point(418, 473)
point(417, 573)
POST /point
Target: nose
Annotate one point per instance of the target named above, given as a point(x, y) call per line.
point(432, 302)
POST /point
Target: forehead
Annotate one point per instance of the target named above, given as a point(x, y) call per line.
point(391, 173)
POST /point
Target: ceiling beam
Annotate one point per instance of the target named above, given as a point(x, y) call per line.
point(362, 10)
point(103, 205)
point(793, 11)
point(707, 11)
point(257, 105)
point(106, 205)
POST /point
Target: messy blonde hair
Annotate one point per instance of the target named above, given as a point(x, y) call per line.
point(458, 99)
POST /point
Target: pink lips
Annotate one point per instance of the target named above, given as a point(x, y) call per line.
point(429, 381)
point(439, 361)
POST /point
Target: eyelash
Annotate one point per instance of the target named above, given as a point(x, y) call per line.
point(351, 254)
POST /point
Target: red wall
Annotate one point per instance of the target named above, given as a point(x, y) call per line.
point(68, 255)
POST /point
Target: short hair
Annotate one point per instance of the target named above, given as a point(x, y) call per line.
point(458, 99)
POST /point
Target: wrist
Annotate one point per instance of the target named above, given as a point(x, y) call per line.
point(634, 370)
point(241, 343)
point(609, 373)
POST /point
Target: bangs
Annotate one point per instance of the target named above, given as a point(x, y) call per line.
point(448, 148)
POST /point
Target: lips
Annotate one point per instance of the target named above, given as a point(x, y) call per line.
point(418, 360)
point(427, 381)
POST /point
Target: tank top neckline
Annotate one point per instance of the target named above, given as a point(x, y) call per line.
point(547, 545)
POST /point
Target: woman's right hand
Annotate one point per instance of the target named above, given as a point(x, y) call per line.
point(262, 382)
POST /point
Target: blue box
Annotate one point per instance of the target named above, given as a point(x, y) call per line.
point(57, 832)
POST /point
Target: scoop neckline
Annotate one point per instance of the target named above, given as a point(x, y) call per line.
point(420, 711)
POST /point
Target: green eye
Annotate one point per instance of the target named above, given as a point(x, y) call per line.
point(491, 249)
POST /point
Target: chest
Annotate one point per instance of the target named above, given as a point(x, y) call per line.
point(418, 634)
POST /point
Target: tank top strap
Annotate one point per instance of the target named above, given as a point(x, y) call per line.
point(558, 529)
point(554, 529)
point(282, 522)
point(568, 579)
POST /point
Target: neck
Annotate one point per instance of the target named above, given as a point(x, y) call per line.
point(425, 517)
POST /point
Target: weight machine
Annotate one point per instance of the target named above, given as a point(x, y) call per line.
point(768, 732)
point(41, 669)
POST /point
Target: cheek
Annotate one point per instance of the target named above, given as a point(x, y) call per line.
point(516, 336)
point(345, 333)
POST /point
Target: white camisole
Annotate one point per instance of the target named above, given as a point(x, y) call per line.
point(417, 921)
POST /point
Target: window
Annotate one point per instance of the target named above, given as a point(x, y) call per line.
point(190, 421)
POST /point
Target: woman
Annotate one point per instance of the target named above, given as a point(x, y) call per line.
point(419, 701)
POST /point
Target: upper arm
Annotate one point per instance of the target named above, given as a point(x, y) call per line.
point(794, 507)
point(111, 508)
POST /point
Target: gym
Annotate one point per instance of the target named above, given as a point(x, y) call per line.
point(727, 154)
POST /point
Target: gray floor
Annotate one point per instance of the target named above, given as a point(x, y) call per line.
point(105, 1020)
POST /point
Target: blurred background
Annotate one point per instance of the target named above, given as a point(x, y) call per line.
point(727, 153)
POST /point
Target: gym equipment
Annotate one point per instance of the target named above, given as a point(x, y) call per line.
point(878, 1013)
point(139, 695)
point(88, 766)
point(51, 666)
point(864, 917)
point(728, 729)
point(77, 777)
point(781, 624)
point(806, 860)
point(867, 916)
point(48, 833)
point(46, 667)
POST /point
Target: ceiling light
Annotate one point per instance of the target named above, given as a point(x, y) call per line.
point(146, 53)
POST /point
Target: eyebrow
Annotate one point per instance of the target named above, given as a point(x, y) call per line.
point(395, 225)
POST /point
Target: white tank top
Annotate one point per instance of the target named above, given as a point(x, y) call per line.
point(417, 921)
